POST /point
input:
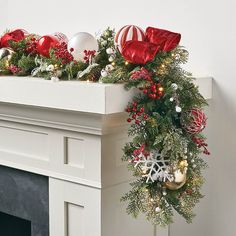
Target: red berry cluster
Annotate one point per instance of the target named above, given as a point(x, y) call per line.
point(153, 90)
point(140, 151)
point(201, 144)
point(14, 69)
point(136, 113)
point(89, 55)
point(31, 46)
point(62, 53)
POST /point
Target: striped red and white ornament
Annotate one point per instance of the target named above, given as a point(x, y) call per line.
point(128, 32)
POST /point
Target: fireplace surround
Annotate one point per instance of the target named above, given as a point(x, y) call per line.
point(74, 142)
point(24, 203)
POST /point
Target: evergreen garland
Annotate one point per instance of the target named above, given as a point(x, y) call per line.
point(159, 117)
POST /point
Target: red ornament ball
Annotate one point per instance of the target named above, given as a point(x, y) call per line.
point(127, 33)
point(45, 43)
point(194, 121)
point(15, 36)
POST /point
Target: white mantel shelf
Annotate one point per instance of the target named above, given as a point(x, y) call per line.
point(74, 95)
point(73, 133)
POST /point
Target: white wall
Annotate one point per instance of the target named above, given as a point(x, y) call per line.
point(208, 30)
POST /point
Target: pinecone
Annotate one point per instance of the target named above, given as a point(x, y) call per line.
point(94, 75)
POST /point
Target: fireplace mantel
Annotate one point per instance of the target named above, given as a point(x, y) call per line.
point(73, 132)
point(74, 95)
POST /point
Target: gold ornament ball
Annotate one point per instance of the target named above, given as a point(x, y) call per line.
point(6, 53)
point(179, 180)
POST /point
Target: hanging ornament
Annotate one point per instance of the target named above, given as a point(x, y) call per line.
point(45, 43)
point(15, 36)
point(127, 33)
point(6, 53)
point(153, 166)
point(79, 43)
point(179, 179)
point(194, 121)
point(62, 38)
point(167, 40)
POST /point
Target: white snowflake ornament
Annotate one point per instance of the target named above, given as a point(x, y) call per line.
point(153, 167)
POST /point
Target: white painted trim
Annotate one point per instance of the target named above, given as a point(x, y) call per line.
point(74, 95)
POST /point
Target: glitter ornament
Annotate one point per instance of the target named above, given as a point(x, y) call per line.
point(194, 121)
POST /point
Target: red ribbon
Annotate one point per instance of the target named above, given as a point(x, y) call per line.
point(167, 40)
point(15, 36)
point(139, 52)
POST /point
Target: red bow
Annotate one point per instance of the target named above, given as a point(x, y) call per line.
point(15, 36)
point(165, 39)
point(141, 52)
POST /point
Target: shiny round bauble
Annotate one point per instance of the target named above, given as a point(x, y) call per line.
point(62, 38)
point(194, 121)
point(127, 33)
point(79, 43)
point(6, 53)
point(179, 179)
point(45, 43)
point(15, 36)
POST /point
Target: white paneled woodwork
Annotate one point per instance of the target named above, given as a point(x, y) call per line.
point(75, 210)
point(24, 142)
point(77, 142)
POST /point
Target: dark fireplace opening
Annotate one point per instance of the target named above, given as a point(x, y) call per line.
point(14, 226)
point(24, 203)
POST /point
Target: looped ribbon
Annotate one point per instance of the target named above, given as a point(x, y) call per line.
point(15, 35)
point(141, 52)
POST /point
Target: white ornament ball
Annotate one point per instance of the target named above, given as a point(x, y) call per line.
point(164, 193)
point(178, 109)
point(80, 42)
point(158, 209)
point(62, 38)
point(109, 67)
point(171, 99)
point(111, 59)
point(104, 73)
point(109, 51)
point(174, 86)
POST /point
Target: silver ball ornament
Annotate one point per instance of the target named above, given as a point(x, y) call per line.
point(6, 53)
point(158, 209)
point(178, 109)
point(174, 86)
point(104, 73)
